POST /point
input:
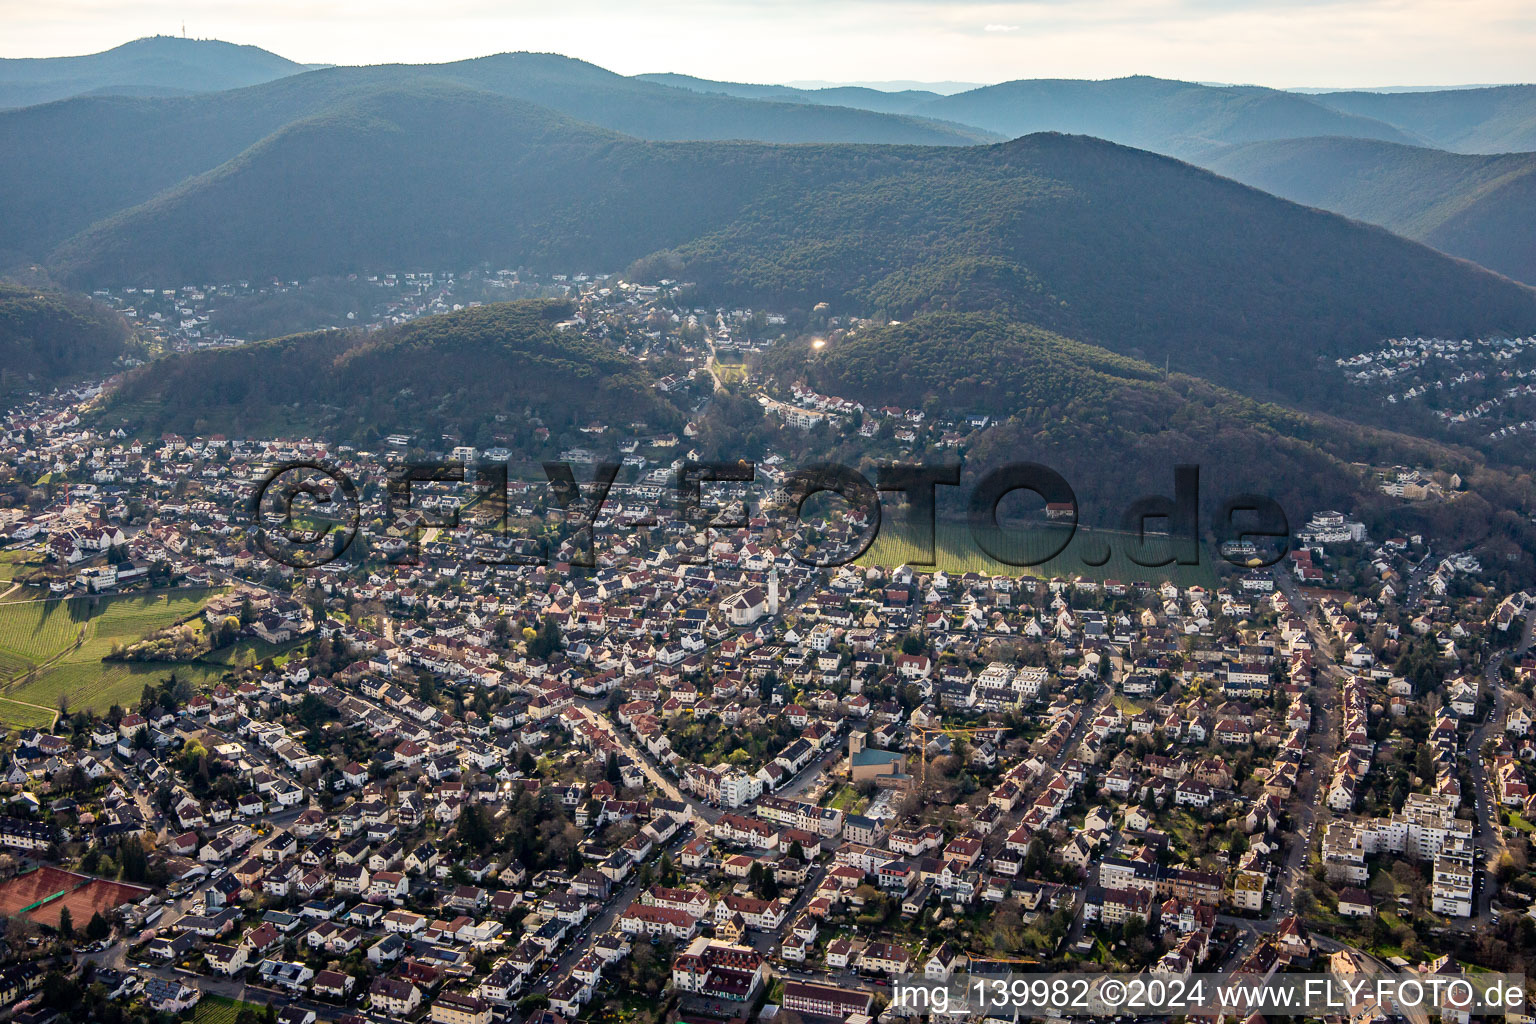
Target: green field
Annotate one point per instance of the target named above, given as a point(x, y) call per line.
point(253, 649)
point(1126, 705)
point(956, 552)
point(96, 686)
point(54, 648)
point(24, 716)
point(13, 560)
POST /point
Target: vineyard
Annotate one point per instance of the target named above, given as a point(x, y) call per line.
point(54, 649)
point(956, 552)
point(34, 631)
point(222, 1010)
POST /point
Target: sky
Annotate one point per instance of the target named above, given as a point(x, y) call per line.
point(1282, 43)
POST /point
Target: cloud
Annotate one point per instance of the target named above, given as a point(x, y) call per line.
point(995, 27)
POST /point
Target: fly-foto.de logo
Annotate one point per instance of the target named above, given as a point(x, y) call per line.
point(306, 514)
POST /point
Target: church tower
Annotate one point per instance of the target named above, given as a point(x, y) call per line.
point(773, 592)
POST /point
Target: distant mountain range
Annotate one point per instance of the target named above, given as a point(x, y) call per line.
point(229, 98)
point(53, 181)
point(541, 161)
point(1498, 119)
point(1481, 208)
point(154, 66)
point(1184, 119)
point(1188, 119)
point(1176, 118)
point(1415, 162)
point(1137, 252)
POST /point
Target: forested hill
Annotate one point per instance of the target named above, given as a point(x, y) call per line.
point(49, 338)
point(498, 368)
point(446, 176)
point(1481, 208)
point(1140, 253)
point(1114, 427)
point(153, 66)
point(964, 362)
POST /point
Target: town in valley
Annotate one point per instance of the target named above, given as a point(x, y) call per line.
point(700, 778)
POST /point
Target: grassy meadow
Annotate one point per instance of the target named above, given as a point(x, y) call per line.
point(956, 552)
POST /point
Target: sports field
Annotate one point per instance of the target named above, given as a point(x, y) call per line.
point(54, 648)
point(43, 894)
point(28, 888)
point(956, 552)
point(96, 896)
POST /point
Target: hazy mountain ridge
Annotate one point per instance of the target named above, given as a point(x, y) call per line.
point(1140, 253)
point(152, 66)
point(1497, 119)
point(53, 184)
point(901, 102)
point(1175, 118)
point(1481, 208)
point(1189, 119)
